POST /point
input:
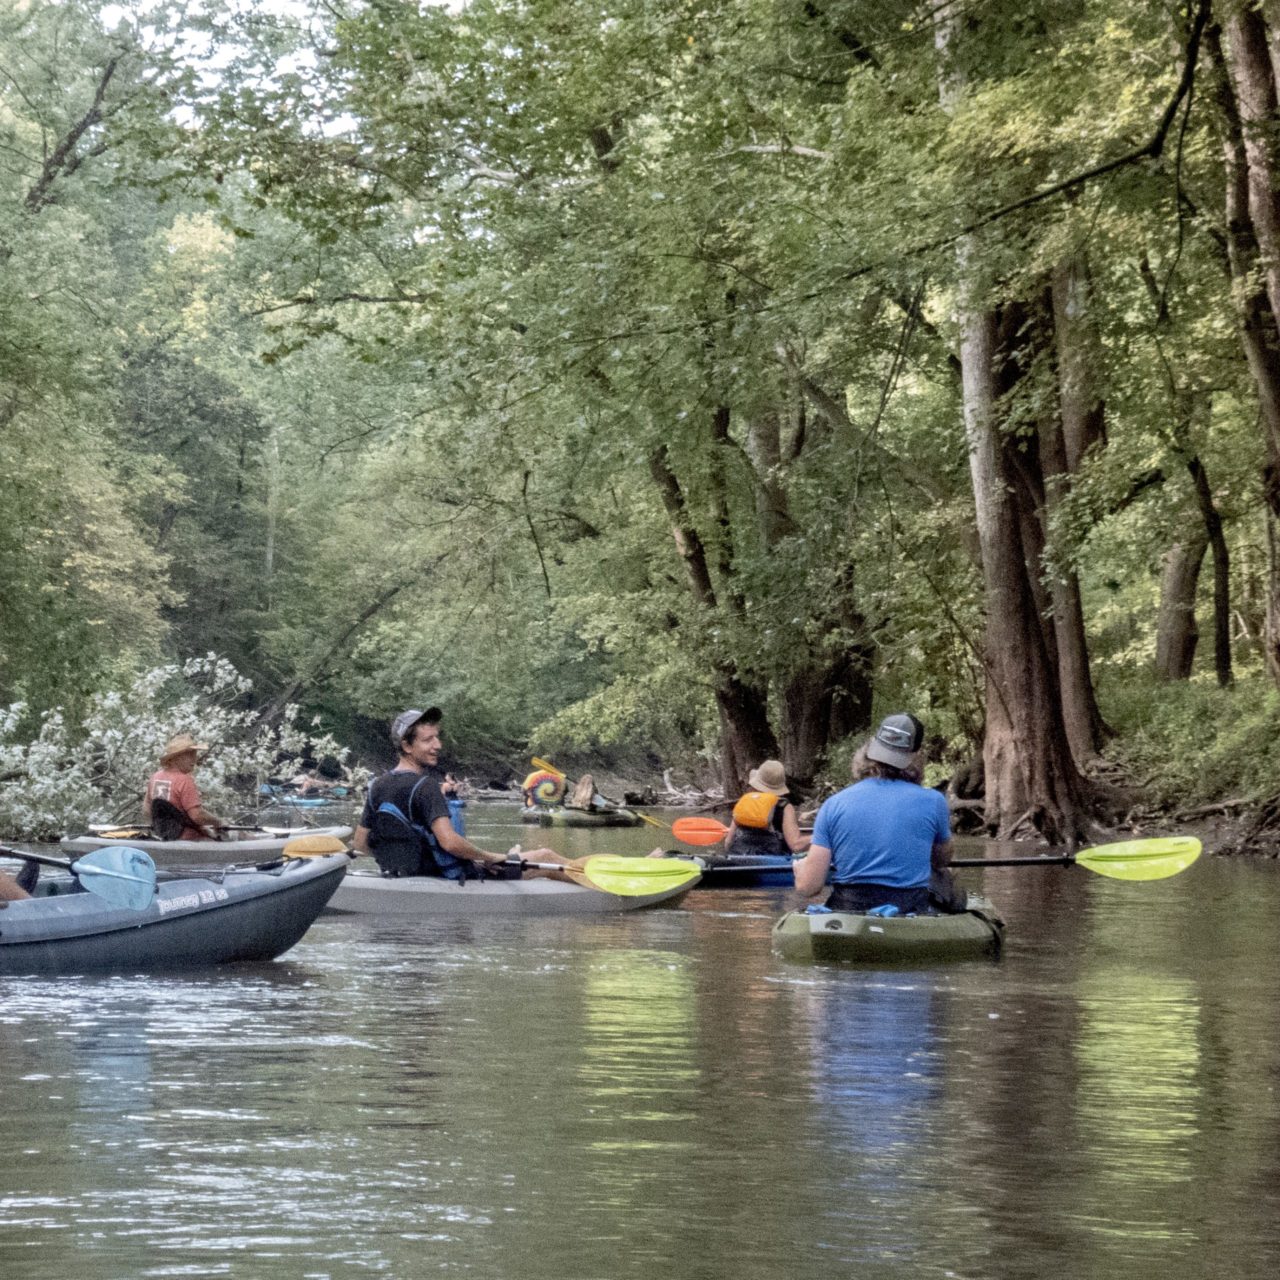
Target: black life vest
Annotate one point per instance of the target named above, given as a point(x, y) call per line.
point(399, 843)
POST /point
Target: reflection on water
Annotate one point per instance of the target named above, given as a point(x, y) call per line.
point(658, 1094)
point(877, 1088)
point(1140, 1096)
point(638, 1020)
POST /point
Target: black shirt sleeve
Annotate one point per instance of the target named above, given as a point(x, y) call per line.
point(428, 801)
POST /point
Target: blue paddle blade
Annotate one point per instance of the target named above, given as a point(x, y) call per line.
point(118, 875)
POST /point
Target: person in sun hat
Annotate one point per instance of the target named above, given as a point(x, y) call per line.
point(764, 819)
point(887, 838)
point(172, 803)
point(406, 824)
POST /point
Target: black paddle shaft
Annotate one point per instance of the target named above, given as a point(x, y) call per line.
point(1045, 860)
point(64, 863)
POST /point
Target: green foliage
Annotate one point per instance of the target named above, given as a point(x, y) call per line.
point(348, 343)
point(81, 768)
point(1189, 742)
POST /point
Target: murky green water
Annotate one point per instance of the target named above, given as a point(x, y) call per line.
point(658, 1095)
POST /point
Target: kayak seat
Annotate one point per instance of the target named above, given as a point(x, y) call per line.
point(27, 878)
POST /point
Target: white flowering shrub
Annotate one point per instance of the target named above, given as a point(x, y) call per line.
point(70, 775)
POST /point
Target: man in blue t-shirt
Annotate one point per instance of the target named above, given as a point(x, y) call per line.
point(886, 839)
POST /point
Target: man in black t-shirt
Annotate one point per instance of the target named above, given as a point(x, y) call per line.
point(418, 838)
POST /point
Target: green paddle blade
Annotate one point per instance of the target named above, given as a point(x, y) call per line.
point(639, 877)
point(118, 875)
point(1141, 859)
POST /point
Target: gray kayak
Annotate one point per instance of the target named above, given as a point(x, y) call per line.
point(238, 914)
point(367, 893)
point(248, 846)
point(855, 938)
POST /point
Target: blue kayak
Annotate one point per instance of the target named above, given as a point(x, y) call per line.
point(743, 870)
point(280, 795)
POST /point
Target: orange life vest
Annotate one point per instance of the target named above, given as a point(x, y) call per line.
point(755, 809)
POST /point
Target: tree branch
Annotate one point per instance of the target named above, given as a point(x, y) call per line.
point(775, 149)
point(688, 543)
point(533, 533)
point(62, 160)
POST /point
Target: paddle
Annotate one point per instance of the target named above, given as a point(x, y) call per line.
point(1154, 859)
point(628, 877)
point(699, 831)
point(120, 876)
point(539, 763)
point(625, 877)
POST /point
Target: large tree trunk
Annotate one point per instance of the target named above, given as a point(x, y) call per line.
point(1258, 332)
point(746, 736)
point(1176, 631)
point(1271, 636)
point(773, 511)
point(1251, 214)
point(1065, 439)
point(1030, 773)
point(824, 703)
point(1249, 64)
point(1221, 571)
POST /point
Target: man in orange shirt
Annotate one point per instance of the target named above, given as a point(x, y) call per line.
point(173, 783)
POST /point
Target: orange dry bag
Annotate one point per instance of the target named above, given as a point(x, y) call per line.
point(755, 809)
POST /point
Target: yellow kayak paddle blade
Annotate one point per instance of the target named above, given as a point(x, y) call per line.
point(1141, 859)
point(638, 877)
point(314, 847)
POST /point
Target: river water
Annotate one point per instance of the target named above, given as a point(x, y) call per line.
point(658, 1095)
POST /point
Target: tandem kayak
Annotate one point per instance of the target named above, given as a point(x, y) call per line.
point(561, 817)
point(367, 893)
point(238, 914)
point(250, 846)
point(868, 939)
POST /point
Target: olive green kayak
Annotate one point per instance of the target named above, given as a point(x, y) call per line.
point(868, 939)
point(562, 817)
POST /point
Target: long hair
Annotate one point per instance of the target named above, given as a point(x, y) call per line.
point(864, 767)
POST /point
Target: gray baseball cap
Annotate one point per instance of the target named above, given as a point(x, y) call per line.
point(405, 721)
point(896, 741)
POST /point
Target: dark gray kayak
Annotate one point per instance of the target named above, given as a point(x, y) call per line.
point(215, 917)
point(564, 817)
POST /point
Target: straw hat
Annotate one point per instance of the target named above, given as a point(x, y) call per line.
point(180, 744)
point(770, 776)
